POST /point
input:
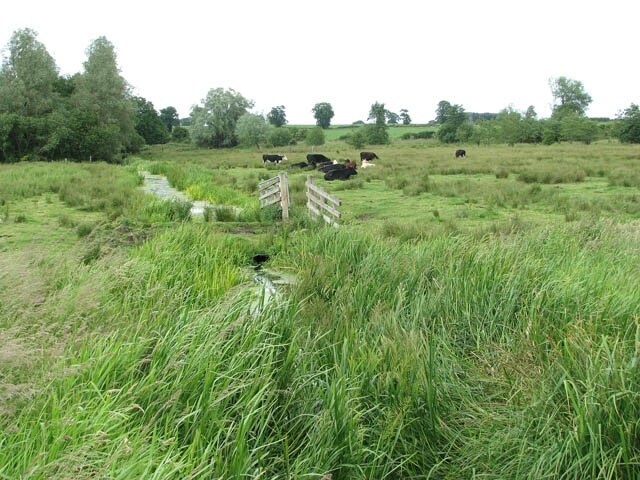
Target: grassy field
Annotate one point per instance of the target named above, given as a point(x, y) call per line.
point(334, 132)
point(470, 318)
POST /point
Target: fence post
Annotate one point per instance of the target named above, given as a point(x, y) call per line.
point(284, 195)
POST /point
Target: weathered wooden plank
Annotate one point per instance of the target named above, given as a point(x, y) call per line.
point(275, 189)
point(319, 203)
point(284, 196)
point(268, 182)
point(326, 218)
point(269, 201)
point(323, 194)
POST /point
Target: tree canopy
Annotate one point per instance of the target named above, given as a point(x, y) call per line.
point(628, 130)
point(451, 118)
point(43, 115)
point(323, 113)
point(277, 116)
point(251, 130)
point(569, 97)
point(213, 123)
point(169, 116)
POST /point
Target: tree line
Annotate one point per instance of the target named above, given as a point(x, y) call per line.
point(93, 115)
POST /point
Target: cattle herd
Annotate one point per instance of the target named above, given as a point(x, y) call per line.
point(332, 169)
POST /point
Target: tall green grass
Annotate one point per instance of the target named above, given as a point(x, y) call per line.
point(452, 357)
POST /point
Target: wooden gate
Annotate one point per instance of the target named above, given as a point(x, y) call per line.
point(321, 204)
point(275, 190)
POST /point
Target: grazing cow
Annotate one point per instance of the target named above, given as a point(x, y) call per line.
point(367, 164)
point(273, 158)
point(342, 174)
point(299, 165)
point(368, 156)
point(316, 158)
point(460, 153)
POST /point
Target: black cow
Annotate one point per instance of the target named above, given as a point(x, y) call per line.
point(368, 156)
point(327, 167)
point(273, 158)
point(299, 165)
point(340, 174)
point(460, 153)
point(316, 158)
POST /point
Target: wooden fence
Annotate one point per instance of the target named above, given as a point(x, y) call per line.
point(321, 204)
point(275, 190)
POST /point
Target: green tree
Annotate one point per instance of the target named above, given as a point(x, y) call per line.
point(213, 123)
point(277, 116)
point(451, 118)
point(442, 111)
point(28, 77)
point(628, 129)
point(577, 128)
point(279, 137)
point(251, 129)
point(31, 119)
point(315, 136)
point(531, 127)
point(569, 97)
point(105, 108)
point(378, 112)
point(377, 133)
point(509, 123)
point(148, 123)
point(323, 113)
point(392, 118)
point(169, 117)
point(180, 134)
point(404, 117)
point(357, 138)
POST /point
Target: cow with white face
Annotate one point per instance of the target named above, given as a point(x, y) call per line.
point(273, 158)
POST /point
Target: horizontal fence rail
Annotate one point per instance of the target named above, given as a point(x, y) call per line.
point(322, 204)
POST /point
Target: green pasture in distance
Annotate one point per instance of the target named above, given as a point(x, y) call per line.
point(334, 132)
point(419, 181)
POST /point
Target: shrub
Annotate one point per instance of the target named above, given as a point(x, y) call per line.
point(83, 230)
point(279, 137)
point(315, 136)
point(418, 135)
point(180, 135)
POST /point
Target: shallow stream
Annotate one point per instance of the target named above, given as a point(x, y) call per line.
point(160, 186)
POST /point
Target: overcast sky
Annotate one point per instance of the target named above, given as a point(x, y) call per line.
point(484, 55)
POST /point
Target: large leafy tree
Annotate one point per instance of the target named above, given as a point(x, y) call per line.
point(148, 123)
point(277, 116)
point(629, 125)
point(404, 117)
point(170, 118)
point(323, 113)
point(28, 99)
point(378, 112)
point(28, 77)
point(451, 118)
point(377, 133)
point(104, 101)
point(251, 129)
point(213, 123)
point(569, 97)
